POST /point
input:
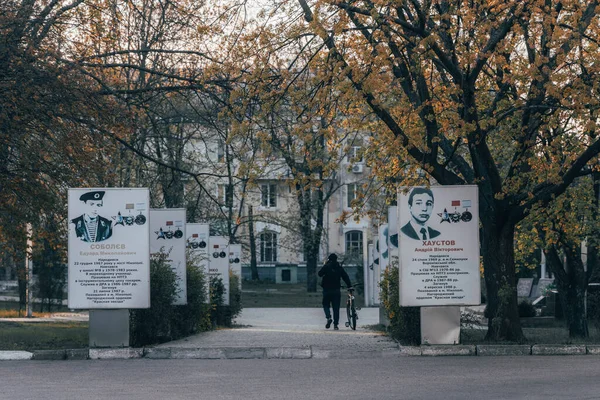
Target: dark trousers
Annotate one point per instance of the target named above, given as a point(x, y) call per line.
point(332, 297)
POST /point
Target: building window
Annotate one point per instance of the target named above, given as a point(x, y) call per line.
point(268, 246)
point(220, 151)
point(352, 194)
point(355, 154)
point(355, 151)
point(354, 245)
point(268, 193)
point(222, 194)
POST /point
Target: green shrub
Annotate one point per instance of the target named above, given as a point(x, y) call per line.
point(526, 309)
point(235, 297)
point(153, 325)
point(405, 322)
point(164, 321)
point(221, 314)
point(194, 316)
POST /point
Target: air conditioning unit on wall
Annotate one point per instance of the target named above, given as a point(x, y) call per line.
point(357, 168)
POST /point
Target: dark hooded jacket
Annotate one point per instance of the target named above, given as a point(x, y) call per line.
point(332, 272)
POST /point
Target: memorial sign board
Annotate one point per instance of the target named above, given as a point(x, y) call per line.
point(543, 283)
point(197, 243)
point(383, 252)
point(109, 250)
point(392, 240)
point(235, 261)
point(167, 236)
point(439, 246)
point(218, 266)
point(524, 286)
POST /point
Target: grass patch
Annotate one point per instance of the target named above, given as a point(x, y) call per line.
point(43, 335)
point(269, 294)
point(22, 314)
point(10, 309)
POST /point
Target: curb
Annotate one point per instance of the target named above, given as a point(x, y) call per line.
point(558, 350)
point(448, 350)
point(15, 355)
point(346, 354)
point(49, 355)
point(503, 350)
point(115, 354)
point(289, 353)
point(299, 353)
point(78, 354)
point(593, 349)
point(199, 353)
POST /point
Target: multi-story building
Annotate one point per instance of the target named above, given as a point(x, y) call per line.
point(269, 189)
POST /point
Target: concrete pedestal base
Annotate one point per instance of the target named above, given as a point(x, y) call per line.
point(440, 325)
point(109, 328)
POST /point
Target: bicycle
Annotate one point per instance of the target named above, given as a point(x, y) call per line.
point(351, 310)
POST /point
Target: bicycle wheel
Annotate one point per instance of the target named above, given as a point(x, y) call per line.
point(353, 317)
point(348, 314)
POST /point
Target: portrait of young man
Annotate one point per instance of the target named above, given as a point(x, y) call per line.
point(420, 205)
point(91, 226)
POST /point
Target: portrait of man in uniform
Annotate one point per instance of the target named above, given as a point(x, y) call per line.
point(420, 205)
point(91, 226)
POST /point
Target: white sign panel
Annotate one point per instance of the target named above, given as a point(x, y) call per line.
point(197, 243)
point(381, 259)
point(167, 236)
point(235, 261)
point(384, 254)
point(393, 235)
point(109, 251)
point(218, 265)
point(439, 246)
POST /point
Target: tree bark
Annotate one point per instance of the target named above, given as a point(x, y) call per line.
point(500, 279)
point(571, 281)
point(593, 258)
point(311, 272)
point(311, 238)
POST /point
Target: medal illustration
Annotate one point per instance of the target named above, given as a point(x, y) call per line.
point(457, 216)
point(140, 219)
point(119, 219)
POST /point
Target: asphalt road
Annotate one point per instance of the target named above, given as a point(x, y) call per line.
point(530, 377)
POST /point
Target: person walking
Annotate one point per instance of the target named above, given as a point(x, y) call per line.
point(332, 272)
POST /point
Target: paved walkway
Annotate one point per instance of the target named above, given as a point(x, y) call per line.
point(292, 327)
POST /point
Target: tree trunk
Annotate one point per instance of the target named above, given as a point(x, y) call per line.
point(311, 272)
point(573, 303)
point(593, 258)
point(311, 238)
point(571, 281)
point(253, 266)
point(500, 278)
point(172, 186)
